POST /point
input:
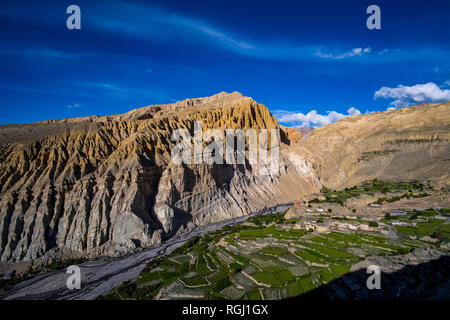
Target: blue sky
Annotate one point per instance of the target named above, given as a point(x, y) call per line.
point(309, 62)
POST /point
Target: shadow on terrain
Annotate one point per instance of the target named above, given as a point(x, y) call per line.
point(430, 280)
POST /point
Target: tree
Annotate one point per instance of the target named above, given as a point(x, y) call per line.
point(438, 235)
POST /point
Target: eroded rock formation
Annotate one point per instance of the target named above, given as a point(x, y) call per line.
point(99, 185)
point(409, 143)
point(102, 185)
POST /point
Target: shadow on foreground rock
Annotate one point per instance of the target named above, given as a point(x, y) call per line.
point(425, 281)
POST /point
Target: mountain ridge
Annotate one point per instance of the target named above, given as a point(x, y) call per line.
point(97, 186)
point(103, 187)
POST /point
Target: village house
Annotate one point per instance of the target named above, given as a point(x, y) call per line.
point(320, 227)
point(399, 223)
point(340, 225)
point(350, 226)
point(354, 226)
point(366, 227)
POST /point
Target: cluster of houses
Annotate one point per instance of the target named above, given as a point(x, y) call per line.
point(446, 220)
point(346, 224)
point(333, 225)
point(402, 223)
point(309, 209)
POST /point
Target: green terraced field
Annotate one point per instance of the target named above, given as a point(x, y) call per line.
point(254, 262)
point(274, 250)
point(372, 187)
point(423, 223)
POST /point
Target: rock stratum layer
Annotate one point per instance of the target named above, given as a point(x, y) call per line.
point(405, 144)
point(104, 185)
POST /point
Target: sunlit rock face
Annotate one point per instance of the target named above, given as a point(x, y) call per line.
point(404, 144)
point(102, 185)
point(105, 185)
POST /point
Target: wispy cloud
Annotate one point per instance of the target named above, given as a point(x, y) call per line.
point(121, 91)
point(102, 85)
point(46, 91)
point(150, 22)
point(156, 23)
point(74, 105)
point(42, 53)
point(352, 53)
point(51, 53)
point(312, 118)
point(411, 95)
point(92, 90)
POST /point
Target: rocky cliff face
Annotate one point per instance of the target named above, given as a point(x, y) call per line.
point(409, 143)
point(98, 185)
point(102, 185)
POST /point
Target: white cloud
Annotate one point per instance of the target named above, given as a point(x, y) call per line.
point(121, 91)
point(447, 83)
point(101, 85)
point(159, 23)
point(312, 118)
point(353, 111)
point(353, 52)
point(411, 95)
point(74, 105)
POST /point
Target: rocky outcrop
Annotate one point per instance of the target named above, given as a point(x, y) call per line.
point(422, 274)
point(101, 185)
point(409, 143)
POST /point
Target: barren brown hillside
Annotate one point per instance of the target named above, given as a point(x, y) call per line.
point(99, 185)
point(409, 143)
point(103, 185)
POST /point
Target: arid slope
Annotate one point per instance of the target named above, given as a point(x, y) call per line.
point(409, 143)
point(104, 185)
